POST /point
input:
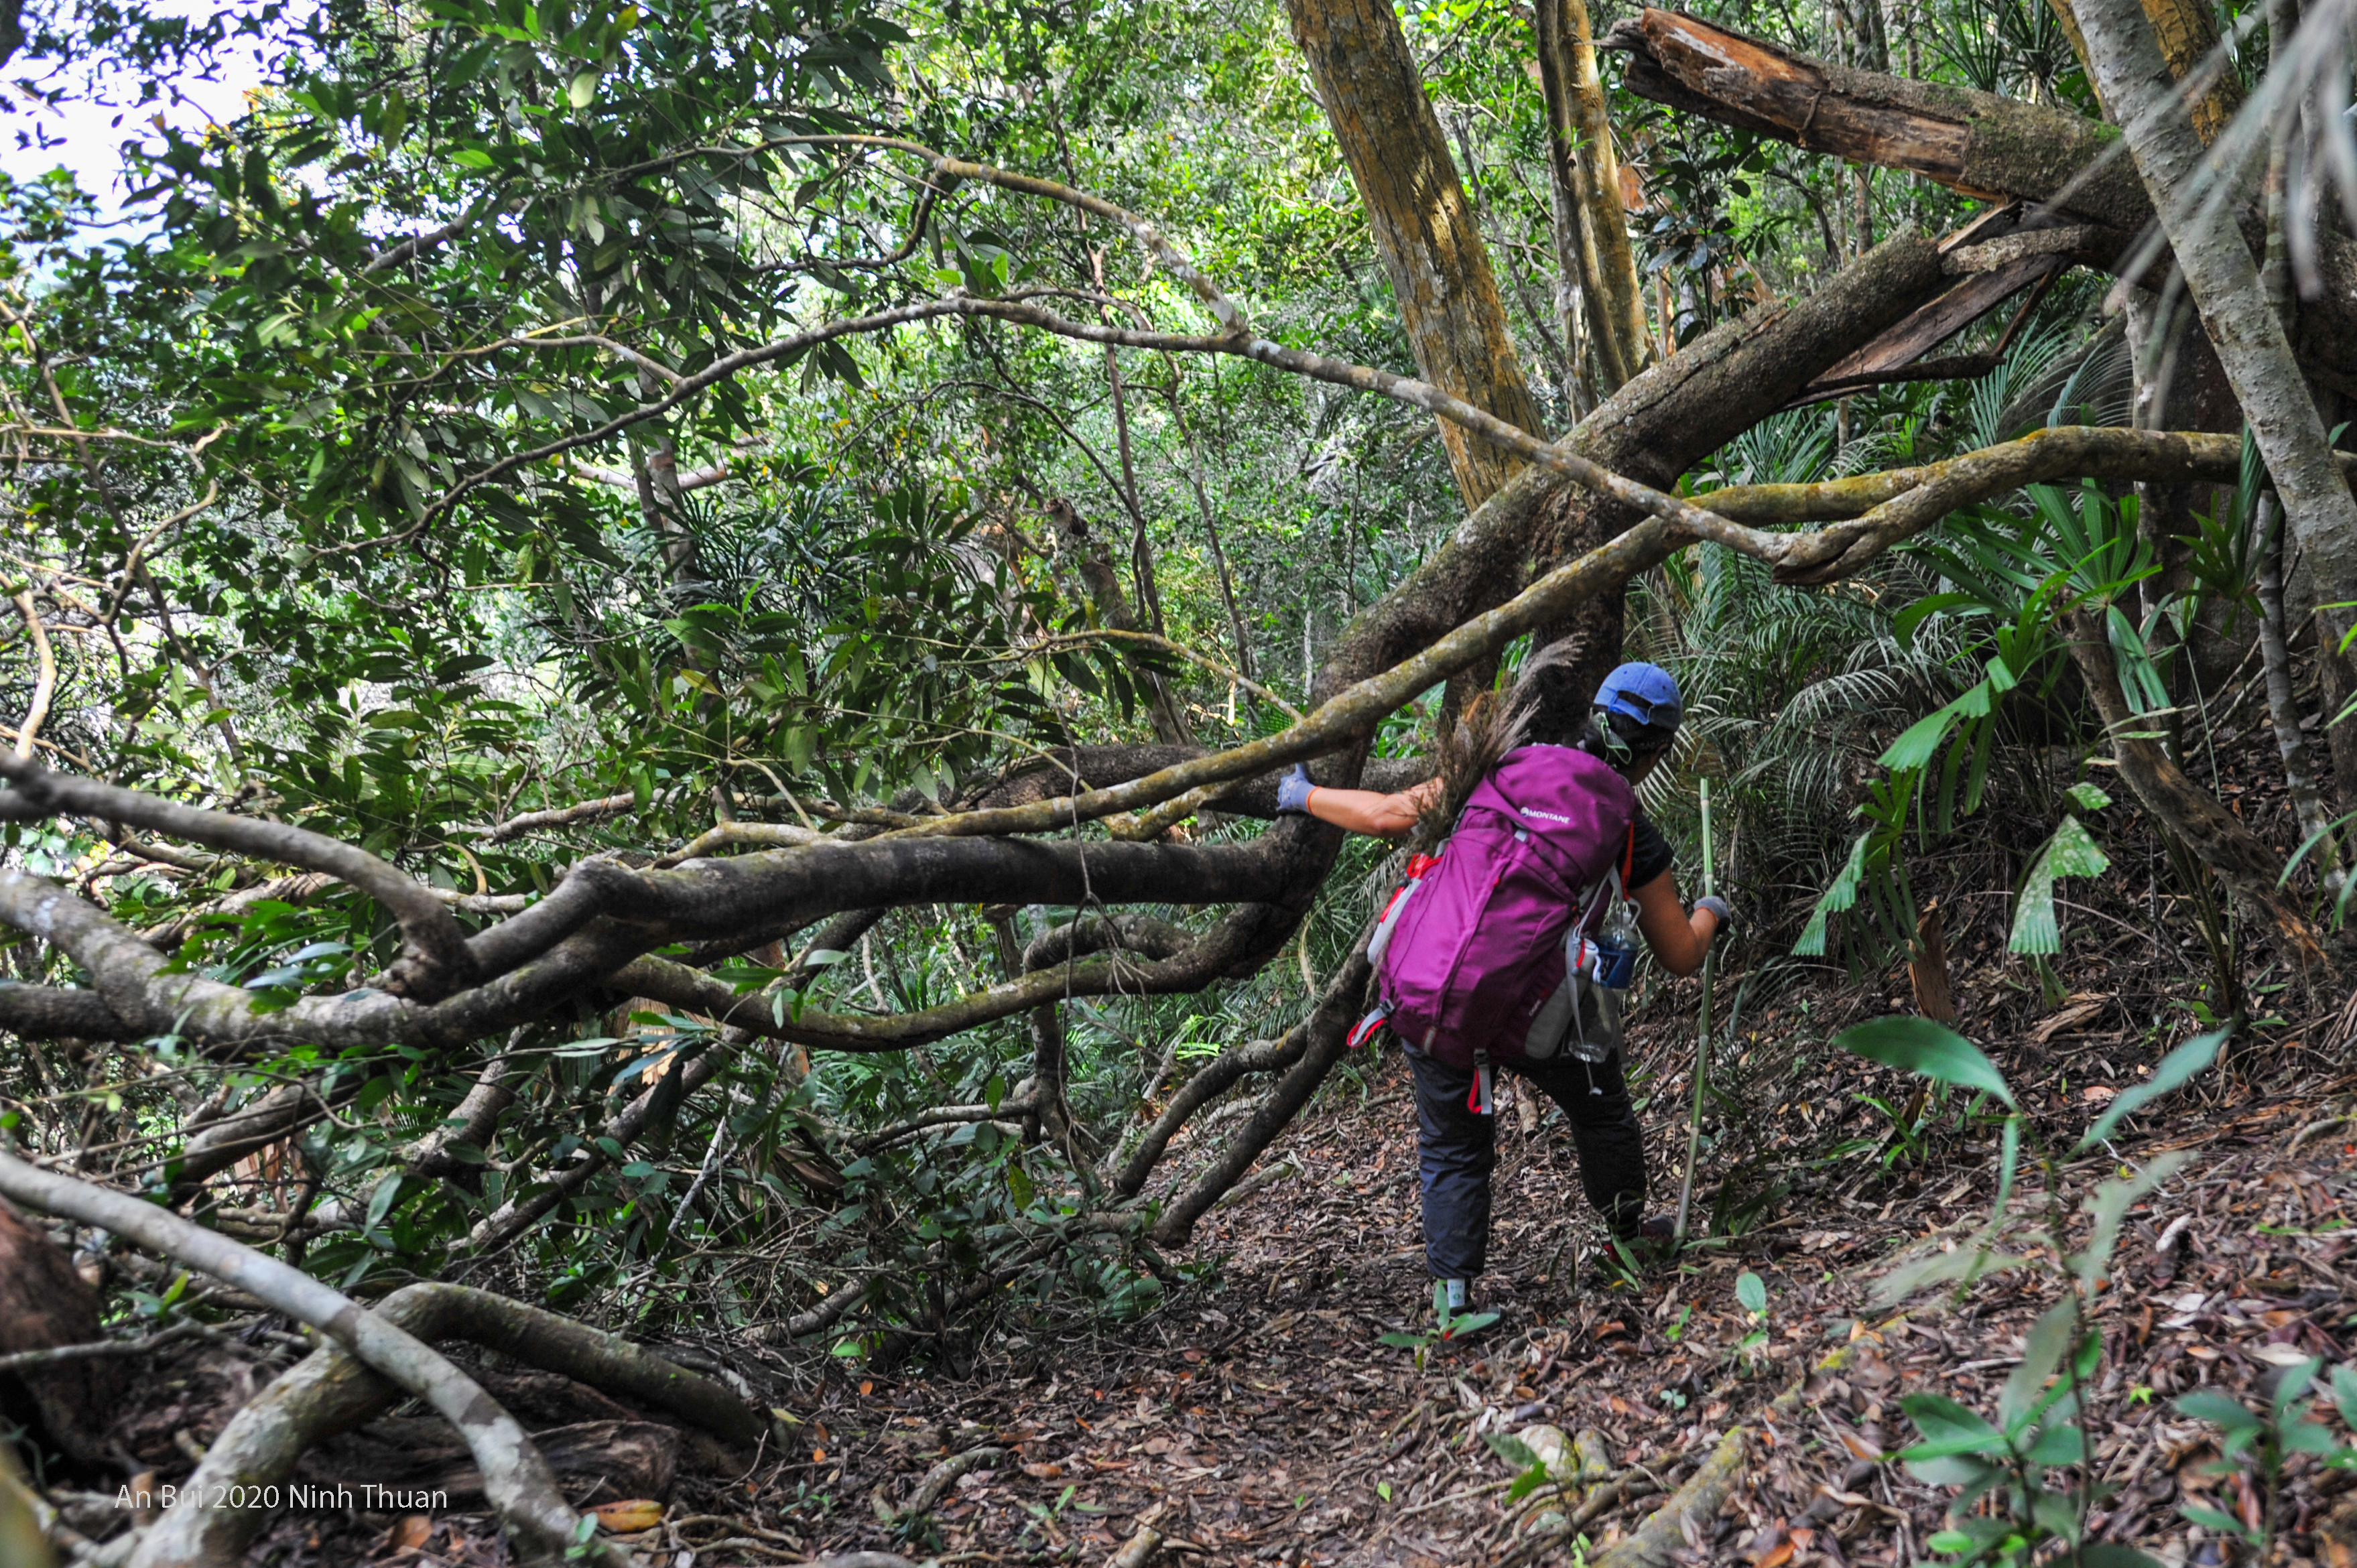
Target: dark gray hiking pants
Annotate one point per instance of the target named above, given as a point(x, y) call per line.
point(1459, 1150)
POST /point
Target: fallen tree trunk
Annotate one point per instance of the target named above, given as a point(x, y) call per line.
point(1997, 149)
point(1977, 144)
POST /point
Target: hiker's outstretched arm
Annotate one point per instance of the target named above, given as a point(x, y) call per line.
point(1365, 811)
point(1678, 939)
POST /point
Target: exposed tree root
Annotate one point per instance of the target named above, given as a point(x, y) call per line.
point(516, 1479)
point(943, 1475)
point(330, 1392)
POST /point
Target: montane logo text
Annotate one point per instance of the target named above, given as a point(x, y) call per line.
point(1550, 816)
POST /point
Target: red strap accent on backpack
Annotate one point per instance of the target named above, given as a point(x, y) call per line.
point(1628, 860)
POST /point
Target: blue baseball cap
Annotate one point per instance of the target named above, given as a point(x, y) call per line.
point(1646, 692)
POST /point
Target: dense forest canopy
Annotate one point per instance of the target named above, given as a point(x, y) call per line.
point(651, 642)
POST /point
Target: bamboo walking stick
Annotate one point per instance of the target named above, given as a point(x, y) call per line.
point(1702, 1040)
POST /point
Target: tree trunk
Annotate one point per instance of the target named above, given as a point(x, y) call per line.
point(1423, 228)
point(2282, 705)
point(2188, 33)
point(1587, 171)
point(2241, 321)
point(2248, 867)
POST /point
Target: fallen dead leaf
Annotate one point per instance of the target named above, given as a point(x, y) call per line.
point(410, 1534)
point(1859, 1448)
point(1044, 1472)
point(630, 1516)
point(2071, 1017)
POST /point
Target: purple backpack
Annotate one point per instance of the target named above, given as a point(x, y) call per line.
point(1472, 955)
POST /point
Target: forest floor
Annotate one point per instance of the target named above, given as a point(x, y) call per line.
point(1253, 1416)
point(1259, 1420)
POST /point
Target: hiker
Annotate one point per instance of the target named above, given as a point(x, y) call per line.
point(1510, 947)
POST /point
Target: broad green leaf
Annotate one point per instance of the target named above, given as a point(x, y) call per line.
point(381, 1200)
point(2344, 1396)
point(2070, 852)
point(2224, 1524)
point(2175, 1070)
point(1931, 1050)
point(1940, 1419)
point(1920, 742)
point(1951, 1470)
point(2048, 1341)
point(2109, 1206)
point(1752, 1292)
point(2109, 1554)
point(2307, 1437)
point(1511, 1449)
point(1466, 1323)
point(2217, 1409)
point(2293, 1381)
point(2060, 1442)
point(2087, 797)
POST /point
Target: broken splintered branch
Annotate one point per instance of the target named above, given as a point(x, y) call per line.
point(516, 1479)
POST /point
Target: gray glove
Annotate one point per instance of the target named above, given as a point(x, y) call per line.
point(1718, 907)
point(1293, 789)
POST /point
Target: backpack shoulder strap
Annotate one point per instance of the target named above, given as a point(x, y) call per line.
point(1629, 856)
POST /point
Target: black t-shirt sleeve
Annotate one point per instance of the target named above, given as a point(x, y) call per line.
point(1652, 857)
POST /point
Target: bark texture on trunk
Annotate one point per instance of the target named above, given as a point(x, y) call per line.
point(1424, 227)
point(2188, 33)
point(2283, 704)
point(1586, 170)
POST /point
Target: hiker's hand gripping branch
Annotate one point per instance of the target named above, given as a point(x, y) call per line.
point(1359, 810)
